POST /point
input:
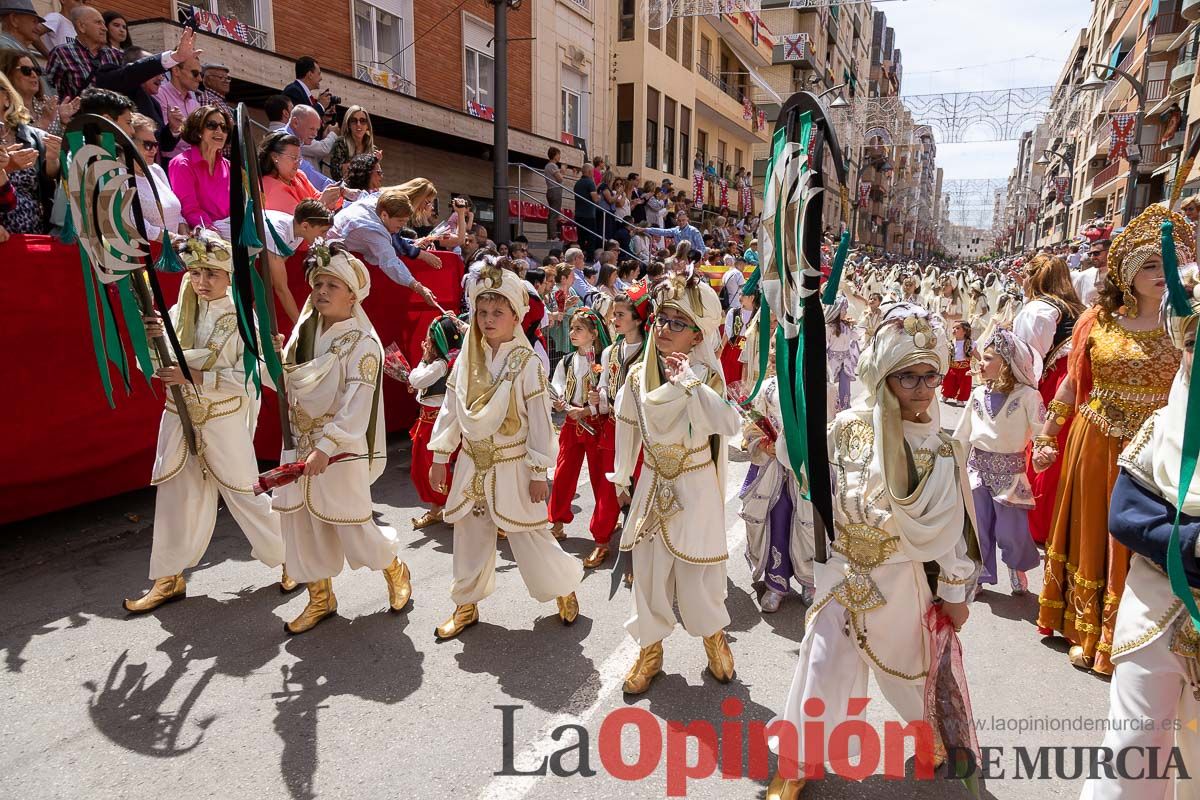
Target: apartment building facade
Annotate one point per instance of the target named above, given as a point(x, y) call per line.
point(425, 73)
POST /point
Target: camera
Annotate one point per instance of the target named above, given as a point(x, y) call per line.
point(335, 100)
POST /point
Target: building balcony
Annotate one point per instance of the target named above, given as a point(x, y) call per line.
point(752, 42)
point(1163, 30)
point(1190, 10)
point(1185, 70)
point(227, 27)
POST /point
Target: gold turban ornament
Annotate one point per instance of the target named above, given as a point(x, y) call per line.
point(1140, 240)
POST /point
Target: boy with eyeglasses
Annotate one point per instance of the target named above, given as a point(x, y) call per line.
point(673, 408)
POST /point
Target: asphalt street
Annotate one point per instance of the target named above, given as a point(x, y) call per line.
point(208, 698)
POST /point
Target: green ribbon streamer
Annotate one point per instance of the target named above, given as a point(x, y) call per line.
point(1175, 291)
point(1187, 470)
point(267, 346)
point(246, 322)
point(98, 349)
point(168, 259)
point(137, 329)
point(280, 244)
point(249, 233)
point(835, 274)
point(112, 341)
point(439, 339)
point(792, 404)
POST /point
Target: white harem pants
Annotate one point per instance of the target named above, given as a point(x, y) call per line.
point(660, 581)
point(185, 514)
point(547, 570)
point(317, 549)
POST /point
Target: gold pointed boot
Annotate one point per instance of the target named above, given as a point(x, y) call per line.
point(501, 535)
point(430, 518)
point(321, 604)
point(568, 608)
point(399, 584)
point(649, 663)
point(286, 582)
point(464, 616)
point(783, 789)
point(597, 557)
point(164, 590)
point(720, 658)
point(556, 530)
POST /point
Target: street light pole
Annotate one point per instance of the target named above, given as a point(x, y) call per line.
point(500, 114)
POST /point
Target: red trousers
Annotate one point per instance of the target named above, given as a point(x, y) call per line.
point(575, 444)
point(957, 384)
point(422, 458)
point(1045, 484)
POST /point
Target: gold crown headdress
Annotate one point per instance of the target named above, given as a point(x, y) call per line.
point(1142, 238)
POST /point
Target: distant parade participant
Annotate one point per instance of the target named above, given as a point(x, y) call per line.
point(842, 345)
point(673, 407)
point(223, 415)
point(439, 350)
point(587, 433)
point(332, 370)
point(497, 408)
point(996, 428)
point(901, 503)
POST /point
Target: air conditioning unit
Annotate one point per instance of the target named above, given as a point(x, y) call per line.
point(575, 55)
point(1098, 162)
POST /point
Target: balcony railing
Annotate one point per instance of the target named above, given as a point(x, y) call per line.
point(1105, 175)
point(380, 75)
point(1156, 89)
point(230, 27)
point(716, 80)
point(1169, 24)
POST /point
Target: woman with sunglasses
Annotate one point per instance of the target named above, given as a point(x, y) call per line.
point(357, 139)
point(26, 77)
point(901, 505)
point(31, 167)
point(200, 175)
point(284, 184)
point(145, 136)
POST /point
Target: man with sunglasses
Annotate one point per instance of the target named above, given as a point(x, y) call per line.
point(1088, 281)
point(178, 93)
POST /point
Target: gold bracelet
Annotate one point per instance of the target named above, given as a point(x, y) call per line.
point(1061, 411)
point(1043, 440)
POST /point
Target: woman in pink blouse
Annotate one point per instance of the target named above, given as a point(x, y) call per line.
point(284, 185)
point(200, 174)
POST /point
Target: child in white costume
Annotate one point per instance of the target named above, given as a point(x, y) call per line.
point(901, 502)
point(332, 370)
point(223, 413)
point(497, 408)
point(673, 407)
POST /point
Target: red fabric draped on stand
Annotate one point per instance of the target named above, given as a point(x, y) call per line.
point(64, 446)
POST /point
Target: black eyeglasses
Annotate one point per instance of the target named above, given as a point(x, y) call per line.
point(29, 71)
point(674, 325)
point(910, 381)
point(195, 73)
point(216, 125)
point(149, 145)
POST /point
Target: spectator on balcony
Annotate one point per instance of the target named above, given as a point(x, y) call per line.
point(357, 138)
point(118, 30)
point(87, 60)
point(21, 27)
point(306, 89)
point(284, 185)
point(168, 126)
point(25, 76)
point(214, 90)
point(179, 92)
point(556, 176)
point(31, 166)
point(165, 213)
point(364, 176)
point(683, 231)
point(304, 124)
point(200, 174)
point(278, 108)
point(59, 24)
point(587, 197)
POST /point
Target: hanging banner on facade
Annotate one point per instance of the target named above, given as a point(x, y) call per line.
point(697, 189)
point(795, 45)
point(723, 187)
point(864, 194)
point(480, 110)
point(1122, 136)
point(747, 108)
point(745, 197)
point(1060, 186)
point(206, 21)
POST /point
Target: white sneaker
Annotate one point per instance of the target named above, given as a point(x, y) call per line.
point(1018, 581)
point(770, 601)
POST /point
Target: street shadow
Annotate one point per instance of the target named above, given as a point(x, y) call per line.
point(743, 609)
point(385, 668)
point(1023, 608)
point(238, 636)
point(543, 666)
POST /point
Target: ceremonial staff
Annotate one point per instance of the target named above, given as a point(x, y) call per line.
point(252, 289)
point(105, 217)
point(790, 280)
